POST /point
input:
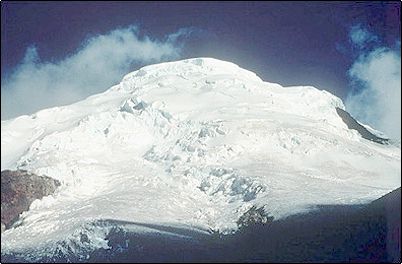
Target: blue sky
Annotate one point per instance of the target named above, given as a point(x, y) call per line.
point(291, 43)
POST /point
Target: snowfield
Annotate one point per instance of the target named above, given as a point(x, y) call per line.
point(192, 143)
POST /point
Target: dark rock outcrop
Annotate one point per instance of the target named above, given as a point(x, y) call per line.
point(254, 216)
point(18, 190)
point(353, 124)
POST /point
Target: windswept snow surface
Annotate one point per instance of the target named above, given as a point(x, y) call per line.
point(193, 143)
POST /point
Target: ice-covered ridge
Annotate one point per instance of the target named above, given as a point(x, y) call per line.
point(196, 66)
point(197, 143)
point(194, 81)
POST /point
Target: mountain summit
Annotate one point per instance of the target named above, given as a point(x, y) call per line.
point(194, 143)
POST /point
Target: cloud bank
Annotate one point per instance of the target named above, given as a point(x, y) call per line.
point(100, 62)
point(376, 80)
point(361, 37)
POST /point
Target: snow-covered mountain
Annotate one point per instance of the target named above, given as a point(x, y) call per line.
point(193, 143)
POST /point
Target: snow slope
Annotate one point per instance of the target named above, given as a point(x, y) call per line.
point(193, 143)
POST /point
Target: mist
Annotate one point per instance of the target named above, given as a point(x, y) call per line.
point(376, 80)
point(100, 62)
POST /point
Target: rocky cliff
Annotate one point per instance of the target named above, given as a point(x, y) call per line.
point(18, 190)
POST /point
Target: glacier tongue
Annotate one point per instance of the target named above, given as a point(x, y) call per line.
point(196, 143)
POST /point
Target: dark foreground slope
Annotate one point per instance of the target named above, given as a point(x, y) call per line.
point(332, 234)
point(364, 233)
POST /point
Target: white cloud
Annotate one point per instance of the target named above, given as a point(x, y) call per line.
point(360, 36)
point(98, 64)
point(378, 101)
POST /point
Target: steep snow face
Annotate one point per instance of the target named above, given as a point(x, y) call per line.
point(192, 143)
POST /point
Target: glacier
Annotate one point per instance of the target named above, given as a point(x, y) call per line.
point(193, 144)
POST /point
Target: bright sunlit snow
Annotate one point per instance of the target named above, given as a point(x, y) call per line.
point(193, 143)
